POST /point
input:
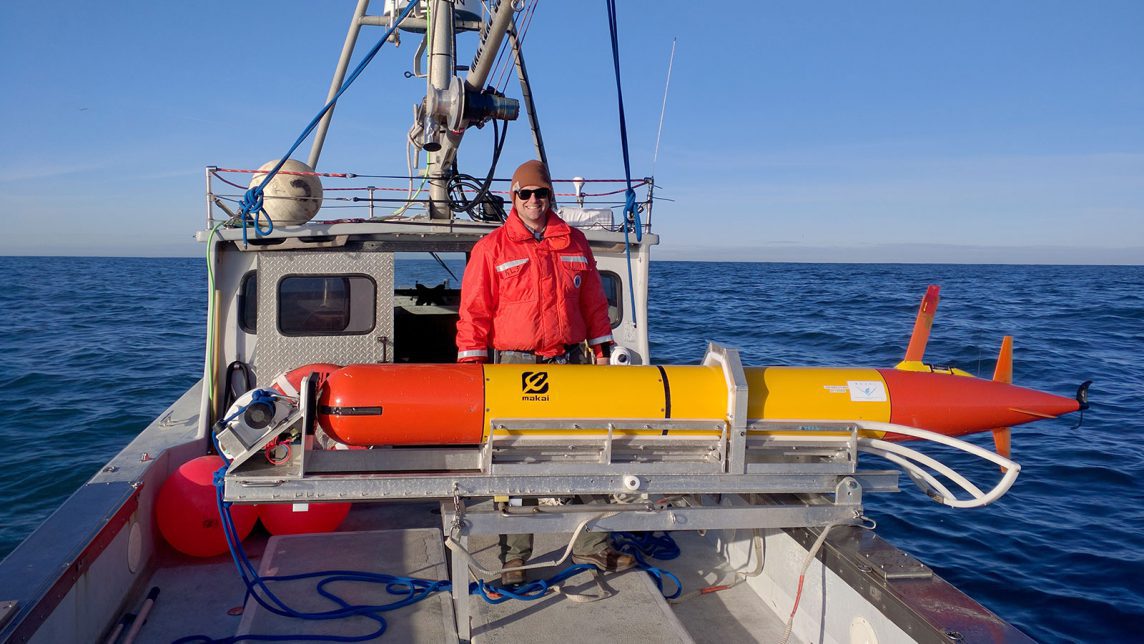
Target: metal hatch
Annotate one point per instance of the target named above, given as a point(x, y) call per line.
point(366, 336)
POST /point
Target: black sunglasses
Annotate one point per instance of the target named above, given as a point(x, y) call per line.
point(526, 194)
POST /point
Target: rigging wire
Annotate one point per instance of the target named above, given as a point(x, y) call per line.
point(252, 202)
point(663, 108)
point(631, 214)
point(525, 22)
point(495, 69)
point(445, 266)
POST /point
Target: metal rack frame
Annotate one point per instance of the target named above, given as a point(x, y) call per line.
point(806, 472)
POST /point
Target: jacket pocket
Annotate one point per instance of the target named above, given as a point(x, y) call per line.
point(515, 281)
point(573, 271)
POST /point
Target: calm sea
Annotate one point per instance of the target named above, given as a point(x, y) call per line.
point(100, 346)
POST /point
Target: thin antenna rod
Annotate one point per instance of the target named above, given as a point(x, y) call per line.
point(663, 109)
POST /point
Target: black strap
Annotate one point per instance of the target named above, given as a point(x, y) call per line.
point(235, 387)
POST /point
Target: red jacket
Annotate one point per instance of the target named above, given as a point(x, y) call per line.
point(520, 294)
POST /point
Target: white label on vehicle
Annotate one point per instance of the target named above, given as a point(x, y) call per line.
point(867, 390)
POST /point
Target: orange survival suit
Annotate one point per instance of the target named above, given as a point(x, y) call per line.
point(524, 294)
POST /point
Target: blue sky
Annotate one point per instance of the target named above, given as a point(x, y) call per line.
point(795, 131)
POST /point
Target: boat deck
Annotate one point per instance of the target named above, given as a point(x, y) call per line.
point(406, 539)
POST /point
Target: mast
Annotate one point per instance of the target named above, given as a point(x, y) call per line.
point(452, 105)
point(441, 67)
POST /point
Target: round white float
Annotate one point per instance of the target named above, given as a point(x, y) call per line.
point(289, 198)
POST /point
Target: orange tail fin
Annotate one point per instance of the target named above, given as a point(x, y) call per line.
point(1003, 372)
point(918, 339)
point(922, 324)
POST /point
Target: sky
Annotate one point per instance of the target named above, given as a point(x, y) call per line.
point(873, 131)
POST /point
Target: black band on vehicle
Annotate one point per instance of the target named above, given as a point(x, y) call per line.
point(350, 411)
point(666, 395)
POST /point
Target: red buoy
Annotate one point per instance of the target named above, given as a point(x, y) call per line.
point(187, 510)
point(288, 518)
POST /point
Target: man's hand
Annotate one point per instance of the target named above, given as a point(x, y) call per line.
point(603, 360)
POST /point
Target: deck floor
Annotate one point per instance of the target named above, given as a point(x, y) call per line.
point(629, 607)
point(411, 552)
point(636, 612)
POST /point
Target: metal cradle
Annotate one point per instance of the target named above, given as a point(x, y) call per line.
point(637, 475)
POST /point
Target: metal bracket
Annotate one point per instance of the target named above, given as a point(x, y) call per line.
point(459, 523)
point(736, 379)
point(586, 446)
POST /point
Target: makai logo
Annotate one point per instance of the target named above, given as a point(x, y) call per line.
point(534, 385)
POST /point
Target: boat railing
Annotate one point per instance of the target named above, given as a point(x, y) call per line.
point(348, 196)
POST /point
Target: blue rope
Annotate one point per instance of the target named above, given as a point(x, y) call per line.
point(631, 213)
point(408, 590)
point(662, 547)
point(531, 591)
point(647, 544)
point(252, 201)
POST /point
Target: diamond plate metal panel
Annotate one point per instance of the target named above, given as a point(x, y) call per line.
point(275, 353)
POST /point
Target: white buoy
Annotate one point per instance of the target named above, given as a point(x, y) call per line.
point(289, 198)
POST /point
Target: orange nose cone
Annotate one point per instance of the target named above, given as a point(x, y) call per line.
point(408, 404)
point(956, 405)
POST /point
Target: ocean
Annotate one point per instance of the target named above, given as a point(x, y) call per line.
point(100, 346)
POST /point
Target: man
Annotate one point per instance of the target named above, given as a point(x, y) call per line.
point(531, 294)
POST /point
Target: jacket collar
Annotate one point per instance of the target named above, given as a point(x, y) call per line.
point(556, 230)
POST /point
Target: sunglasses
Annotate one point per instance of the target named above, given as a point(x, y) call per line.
point(526, 194)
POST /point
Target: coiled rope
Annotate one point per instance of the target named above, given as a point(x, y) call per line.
point(647, 545)
point(407, 590)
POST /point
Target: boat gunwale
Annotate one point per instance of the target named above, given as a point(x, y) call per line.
point(105, 504)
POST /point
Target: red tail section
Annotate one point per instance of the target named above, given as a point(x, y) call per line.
point(957, 405)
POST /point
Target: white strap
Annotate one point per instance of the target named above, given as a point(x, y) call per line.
point(282, 383)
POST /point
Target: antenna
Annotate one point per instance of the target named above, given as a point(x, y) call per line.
point(662, 110)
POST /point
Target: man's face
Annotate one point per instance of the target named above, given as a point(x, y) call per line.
point(533, 210)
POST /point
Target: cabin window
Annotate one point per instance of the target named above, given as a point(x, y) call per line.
point(326, 305)
point(613, 290)
point(248, 303)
